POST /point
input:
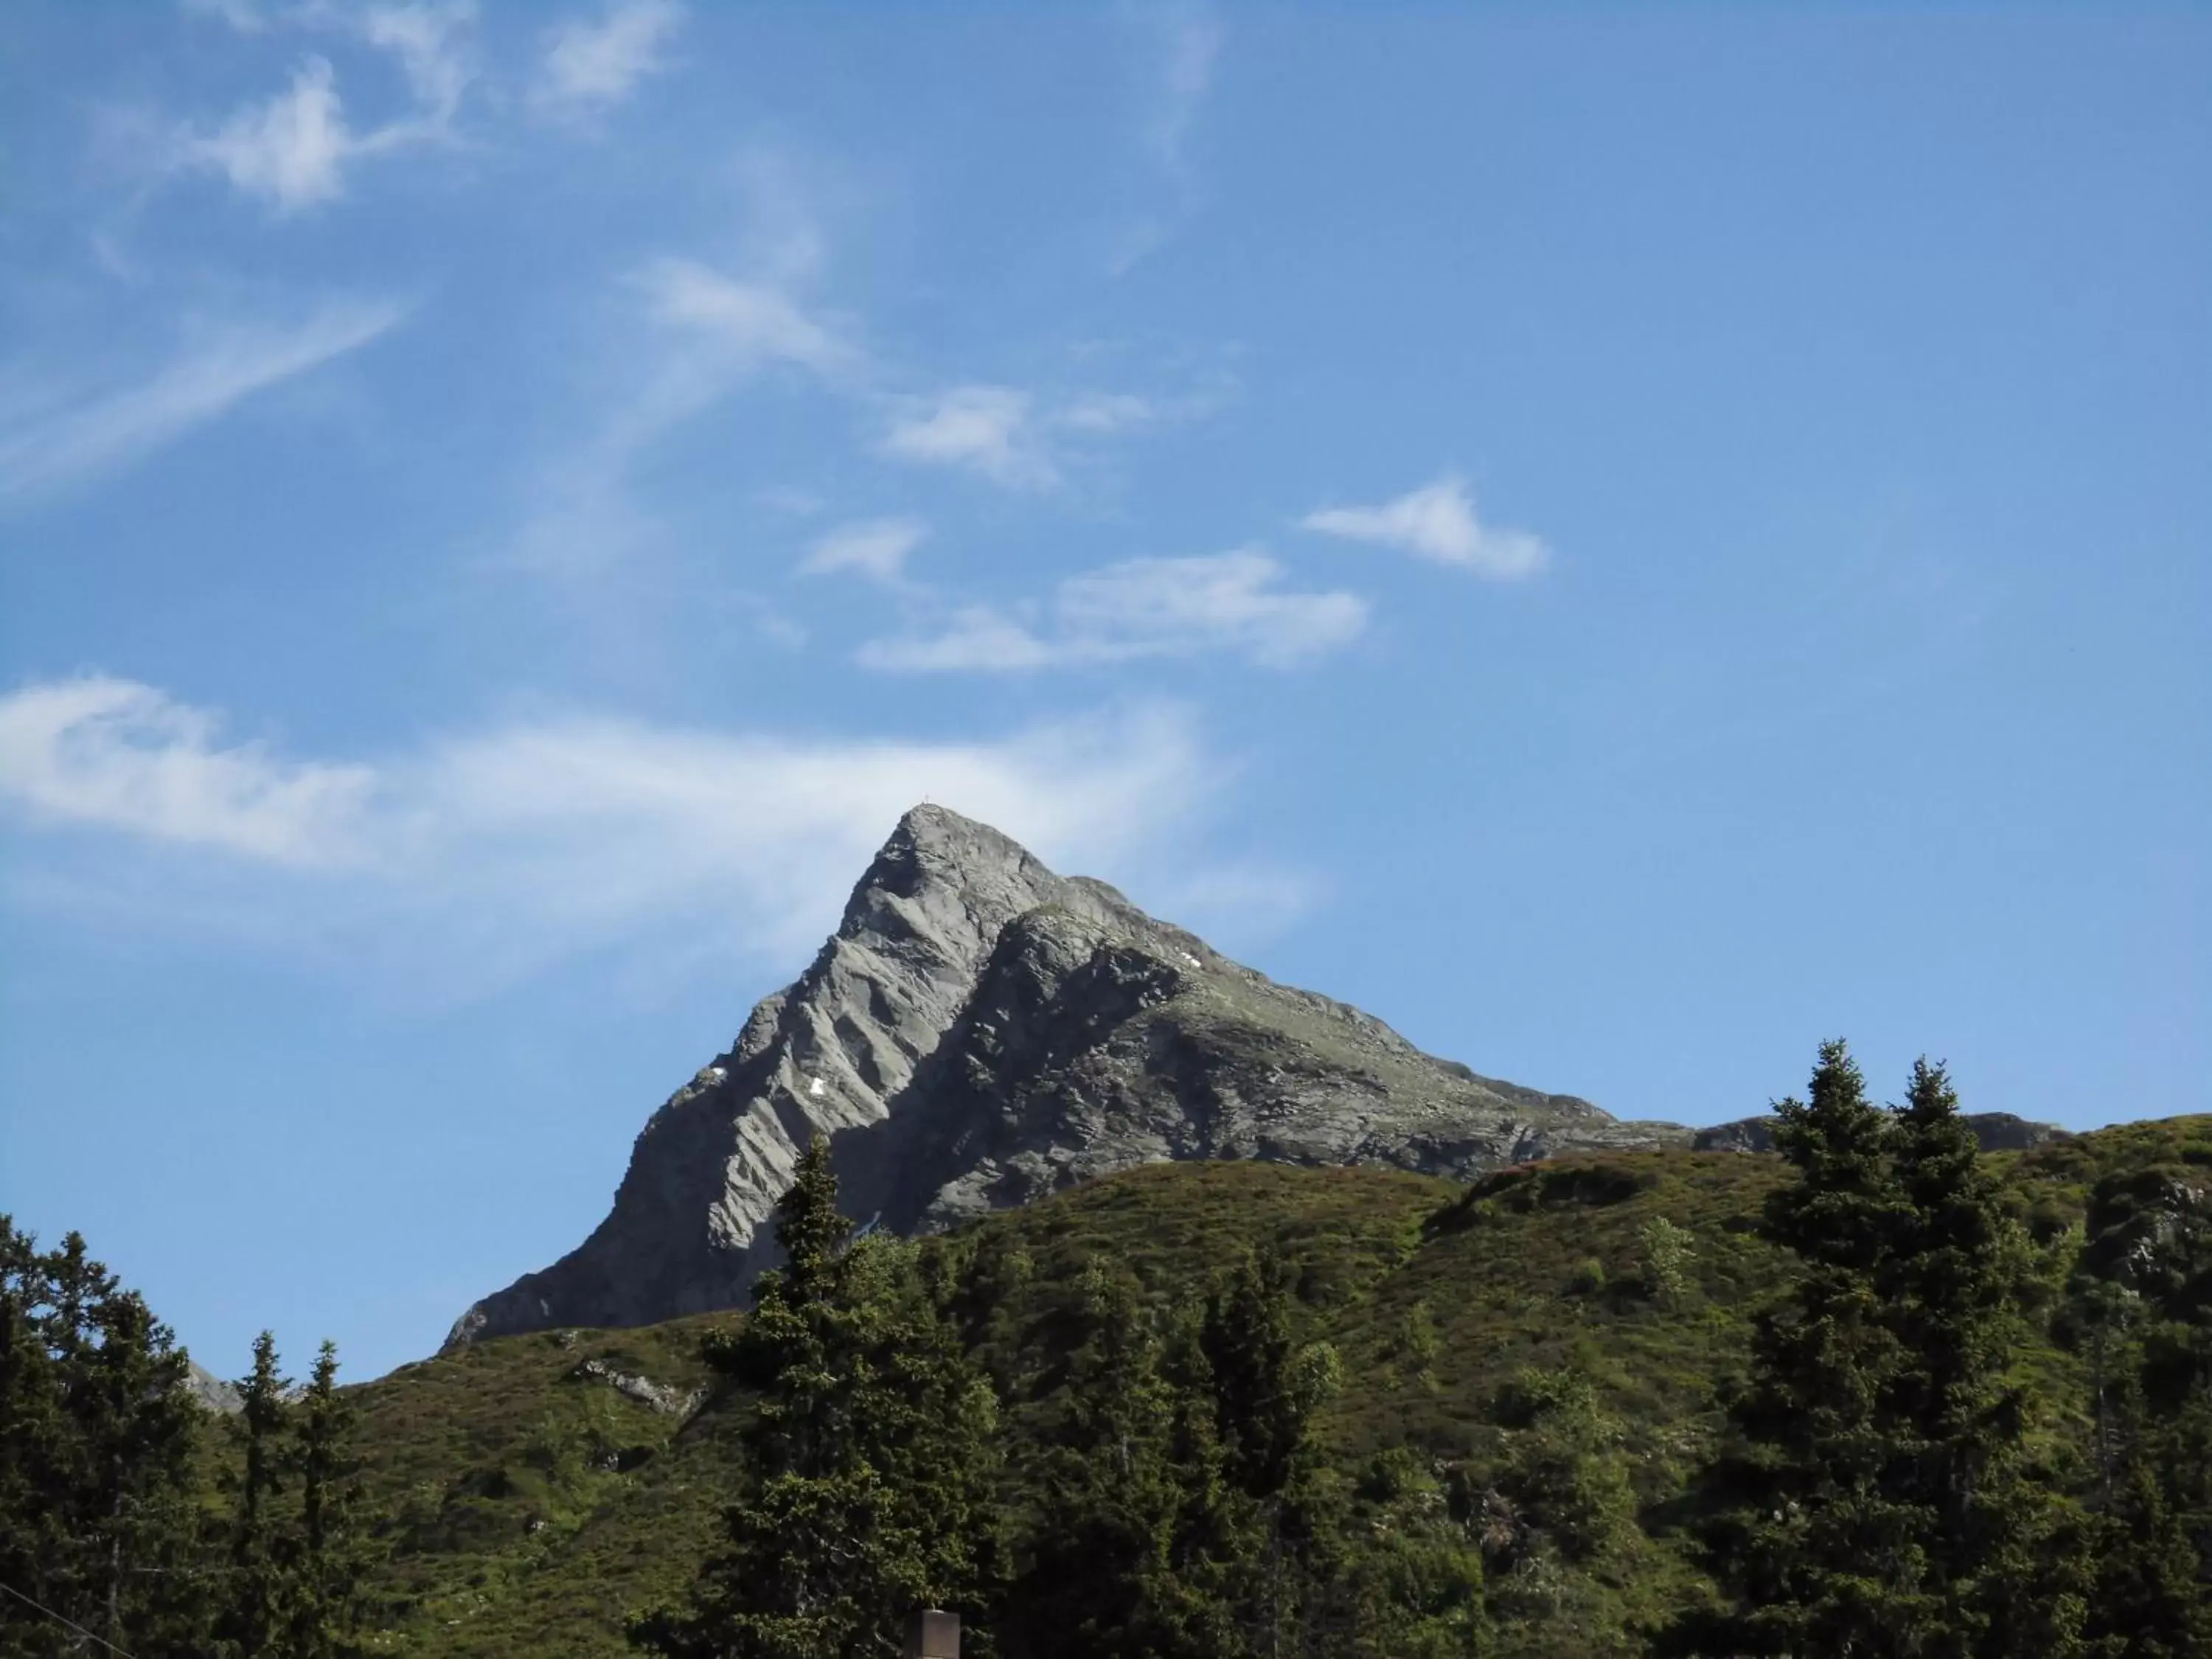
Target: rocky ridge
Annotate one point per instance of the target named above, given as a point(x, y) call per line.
point(211, 1392)
point(979, 1033)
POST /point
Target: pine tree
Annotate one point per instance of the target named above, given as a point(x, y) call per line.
point(2150, 1599)
point(97, 1518)
point(2001, 1543)
point(1268, 1390)
point(326, 1595)
point(1885, 1497)
point(256, 1609)
point(866, 1489)
point(1127, 1558)
point(2143, 1294)
point(32, 1450)
point(1815, 1556)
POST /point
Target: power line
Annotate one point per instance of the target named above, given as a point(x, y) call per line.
point(59, 1619)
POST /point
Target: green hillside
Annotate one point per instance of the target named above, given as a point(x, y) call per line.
point(1536, 1361)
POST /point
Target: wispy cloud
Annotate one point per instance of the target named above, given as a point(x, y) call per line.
point(1107, 412)
point(293, 149)
point(974, 640)
point(116, 755)
point(533, 840)
point(874, 548)
point(246, 17)
point(1230, 603)
point(290, 150)
point(749, 323)
point(1239, 904)
point(982, 428)
point(1186, 40)
point(1190, 38)
point(431, 41)
point(61, 440)
point(688, 337)
point(597, 63)
point(1437, 522)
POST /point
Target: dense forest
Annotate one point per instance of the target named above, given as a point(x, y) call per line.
point(1879, 1395)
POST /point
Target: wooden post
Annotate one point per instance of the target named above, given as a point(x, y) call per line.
point(933, 1635)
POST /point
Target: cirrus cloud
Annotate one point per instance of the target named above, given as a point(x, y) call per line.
point(983, 428)
point(293, 150)
point(597, 64)
point(64, 436)
point(1436, 522)
point(874, 548)
point(1230, 602)
point(117, 755)
point(533, 839)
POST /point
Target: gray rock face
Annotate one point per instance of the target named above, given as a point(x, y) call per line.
point(211, 1391)
point(979, 1032)
point(1995, 1132)
point(658, 1396)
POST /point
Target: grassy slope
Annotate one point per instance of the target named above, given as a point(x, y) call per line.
point(533, 1509)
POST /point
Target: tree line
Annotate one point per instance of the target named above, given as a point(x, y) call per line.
point(1890, 1482)
point(123, 1526)
point(1908, 1467)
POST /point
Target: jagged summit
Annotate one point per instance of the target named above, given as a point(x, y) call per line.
point(979, 1032)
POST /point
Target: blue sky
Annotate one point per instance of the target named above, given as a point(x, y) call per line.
point(1624, 542)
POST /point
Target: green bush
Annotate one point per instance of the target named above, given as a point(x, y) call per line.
point(1588, 1278)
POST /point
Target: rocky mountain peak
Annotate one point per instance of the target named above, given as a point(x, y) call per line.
point(979, 1031)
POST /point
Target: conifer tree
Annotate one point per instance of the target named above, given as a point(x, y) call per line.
point(326, 1597)
point(1129, 1552)
point(256, 1608)
point(2001, 1545)
point(1266, 1391)
point(2152, 1591)
point(1884, 1497)
point(97, 1438)
point(865, 1489)
point(1815, 1556)
point(32, 1450)
point(2144, 1291)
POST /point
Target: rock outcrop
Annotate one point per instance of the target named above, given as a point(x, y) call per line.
point(663, 1397)
point(979, 1032)
point(211, 1392)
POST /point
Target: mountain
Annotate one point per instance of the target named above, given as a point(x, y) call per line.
point(535, 1488)
point(979, 1032)
point(211, 1391)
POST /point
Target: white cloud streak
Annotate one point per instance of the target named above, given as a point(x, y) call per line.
point(1228, 603)
point(290, 150)
point(244, 15)
point(535, 840)
point(429, 41)
point(1104, 413)
point(598, 65)
point(1436, 522)
point(705, 333)
point(59, 442)
point(1189, 40)
point(751, 323)
point(974, 639)
point(117, 755)
point(293, 150)
point(982, 428)
point(1191, 37)
point(874, 548)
